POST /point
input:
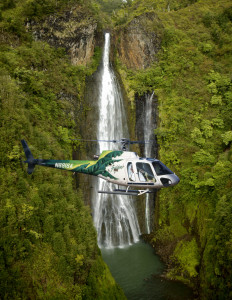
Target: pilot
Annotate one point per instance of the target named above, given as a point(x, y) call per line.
point(142, 175)
point(145, 173)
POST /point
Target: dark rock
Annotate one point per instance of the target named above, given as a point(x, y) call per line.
point(74, 30)
point(138, 46)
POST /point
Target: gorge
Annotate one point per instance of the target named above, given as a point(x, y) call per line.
point(176, 51)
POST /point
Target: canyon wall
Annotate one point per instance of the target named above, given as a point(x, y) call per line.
point(75, 30)
point(137, 44)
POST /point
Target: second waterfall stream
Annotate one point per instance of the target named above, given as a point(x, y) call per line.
point(114, 217)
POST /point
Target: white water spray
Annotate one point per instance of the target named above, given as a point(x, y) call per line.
point(114, 217)
point(147, 136)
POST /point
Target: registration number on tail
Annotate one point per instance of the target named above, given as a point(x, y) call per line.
point(63, 165)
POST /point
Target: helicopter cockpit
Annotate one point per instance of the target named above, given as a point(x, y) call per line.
point(149, 172)
point(160, 168)
point(145, 173)
point(140, 172)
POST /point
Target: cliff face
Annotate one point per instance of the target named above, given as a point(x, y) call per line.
point(138, 44)
point(74, 30)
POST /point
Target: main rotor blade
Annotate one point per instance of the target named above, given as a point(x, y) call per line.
point(122, 141)
point(110, 141)
point(141, 142)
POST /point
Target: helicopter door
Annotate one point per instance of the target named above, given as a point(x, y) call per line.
point(145, 173)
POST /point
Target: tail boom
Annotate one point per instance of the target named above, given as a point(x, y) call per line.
point(68, 165)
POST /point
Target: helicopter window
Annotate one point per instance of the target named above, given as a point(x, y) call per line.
point(161, 169)
point(145, 172)
point(131, 172)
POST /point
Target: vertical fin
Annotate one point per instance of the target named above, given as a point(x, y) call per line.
point(30, 159)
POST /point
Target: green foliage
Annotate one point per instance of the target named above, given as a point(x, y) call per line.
point(217, 257)
point(6, 4)
point(186, 257)
point(202, 157)
point(110, 5)
point(38, 8)
point(227, 137)
point(133, 8)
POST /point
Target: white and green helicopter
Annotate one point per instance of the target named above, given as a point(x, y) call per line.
point(121, 167)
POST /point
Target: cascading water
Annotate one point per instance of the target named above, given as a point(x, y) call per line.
point(135, 267)
point(148, 133)
point(114, 217)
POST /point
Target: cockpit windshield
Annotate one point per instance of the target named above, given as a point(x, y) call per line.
point(145, 172)
point(160, 168)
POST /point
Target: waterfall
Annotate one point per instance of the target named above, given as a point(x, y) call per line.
point(114, 217)
point(148, 133)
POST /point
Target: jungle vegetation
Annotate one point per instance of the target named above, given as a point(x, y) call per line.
point(192, 80)
point(48, 247)
point(47, 240)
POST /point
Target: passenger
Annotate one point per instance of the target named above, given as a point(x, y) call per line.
point(131, 173)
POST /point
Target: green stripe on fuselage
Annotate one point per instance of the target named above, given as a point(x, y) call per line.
point(86, 166)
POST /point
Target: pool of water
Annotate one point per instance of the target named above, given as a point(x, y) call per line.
point(137, 270)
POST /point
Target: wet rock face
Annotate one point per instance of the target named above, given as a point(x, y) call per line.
point(138, 46)
point(74, 31)
point(140, 106)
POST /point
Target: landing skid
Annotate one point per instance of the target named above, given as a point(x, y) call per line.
point(127, 192)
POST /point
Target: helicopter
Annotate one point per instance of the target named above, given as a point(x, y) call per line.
point(121, 167)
